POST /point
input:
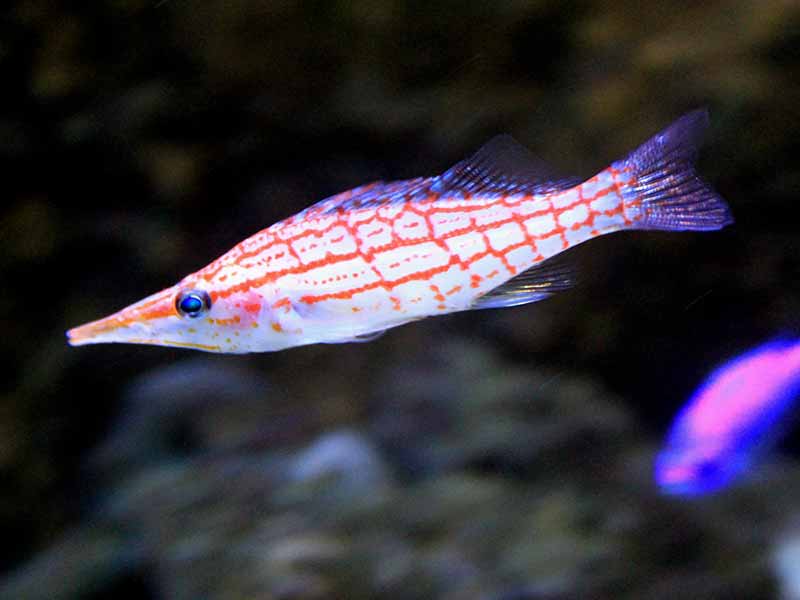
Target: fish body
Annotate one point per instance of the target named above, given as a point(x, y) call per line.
point(735, 415)
point(375, 257)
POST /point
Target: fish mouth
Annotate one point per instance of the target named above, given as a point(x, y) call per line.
point(114, 328)
point(96, 332)
point(76, 337)
point(103, 332)
point(91, 333)
point(133, 324)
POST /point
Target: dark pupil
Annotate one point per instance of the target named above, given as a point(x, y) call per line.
point(192, 304)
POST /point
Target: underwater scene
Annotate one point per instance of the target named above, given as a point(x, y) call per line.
point(387, 299)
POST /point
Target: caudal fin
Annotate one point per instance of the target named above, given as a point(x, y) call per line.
point(665, 192)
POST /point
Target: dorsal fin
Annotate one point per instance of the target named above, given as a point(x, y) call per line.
point(330, 203)
point(377, 193)
point(537, 283)
point(501, 166)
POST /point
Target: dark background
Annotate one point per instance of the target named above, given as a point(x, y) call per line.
point(139, 140)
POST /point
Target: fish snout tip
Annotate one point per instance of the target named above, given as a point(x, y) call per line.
point(108, 329)
point(72, 339)
point(81, 335)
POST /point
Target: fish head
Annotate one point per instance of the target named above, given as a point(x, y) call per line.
point(702, 467)
point(191, 314)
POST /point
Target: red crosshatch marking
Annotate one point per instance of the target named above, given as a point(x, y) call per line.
point(411, 213)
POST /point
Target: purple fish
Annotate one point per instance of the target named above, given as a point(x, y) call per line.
point(733, 417)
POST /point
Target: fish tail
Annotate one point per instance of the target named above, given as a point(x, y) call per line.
point(663, 190)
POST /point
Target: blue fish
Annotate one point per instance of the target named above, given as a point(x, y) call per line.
point(739, 411)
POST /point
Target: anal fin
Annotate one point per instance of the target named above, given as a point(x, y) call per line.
point(368, 337)
point(537, 283)
point(360, 338)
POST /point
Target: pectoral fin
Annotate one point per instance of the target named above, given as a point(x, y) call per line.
point(537, 283)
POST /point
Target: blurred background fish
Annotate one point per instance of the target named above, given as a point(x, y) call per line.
point(735, 415)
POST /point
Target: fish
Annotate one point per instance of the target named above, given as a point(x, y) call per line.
point(738, 413)
point(484, 234)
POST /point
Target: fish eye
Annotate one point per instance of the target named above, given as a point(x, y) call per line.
point(192, 303)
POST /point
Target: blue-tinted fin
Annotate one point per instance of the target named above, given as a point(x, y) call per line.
point(331, 203)
point(368, 337)
point(377, 193)
point(672, 195)
point(501, 166)
point(537, 283)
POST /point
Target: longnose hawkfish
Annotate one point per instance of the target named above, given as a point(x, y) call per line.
point(737, 414)
point(387, 253)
